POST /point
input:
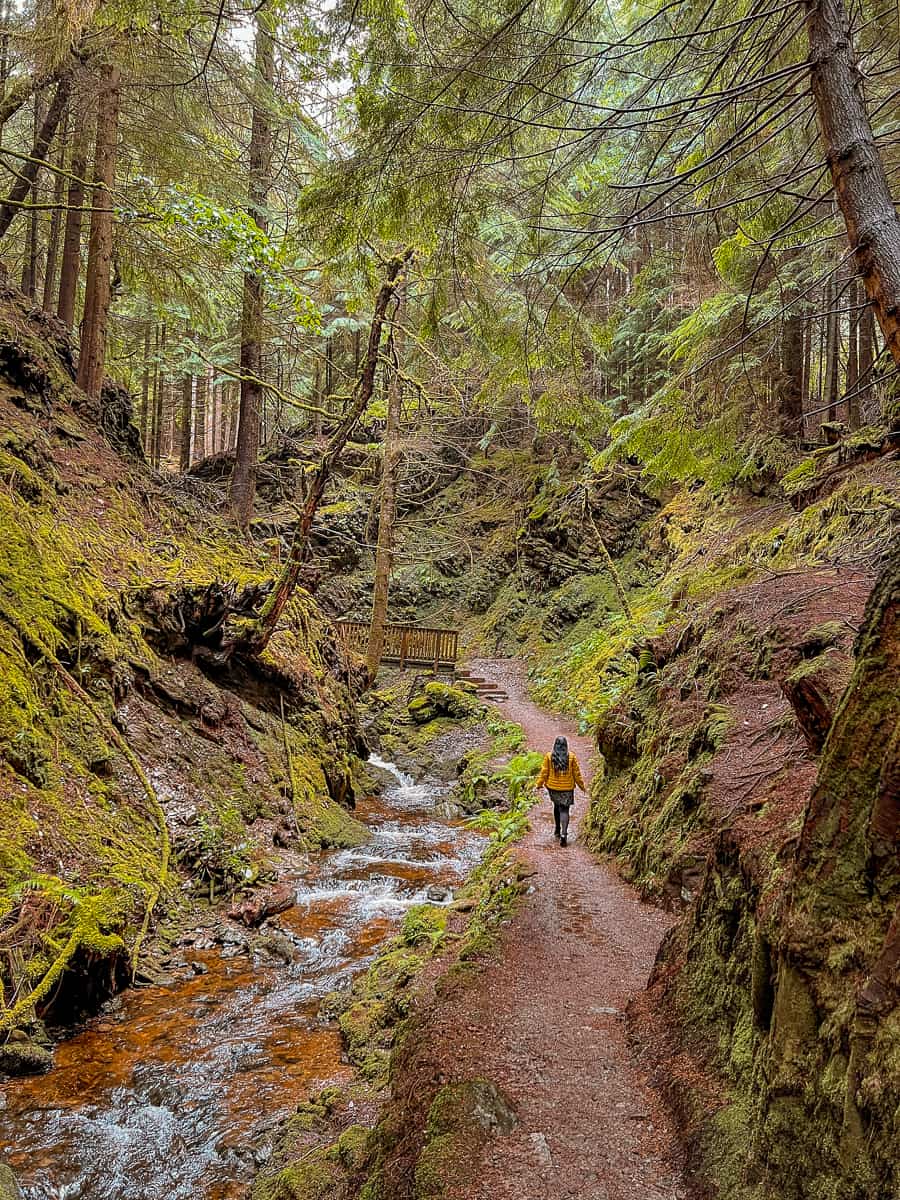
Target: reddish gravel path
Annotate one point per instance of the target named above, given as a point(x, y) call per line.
point(544, 1021)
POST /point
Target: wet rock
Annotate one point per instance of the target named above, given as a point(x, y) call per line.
point(9, 1188)
point(248, 1058)
point(438, 895)
point(24, 1058)
point(235, 950)
point(254, 910)
point(262, 1154)
point(199, 968)
point(275, 945)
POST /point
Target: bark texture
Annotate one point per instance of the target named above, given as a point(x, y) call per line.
point(187, 409)
point(243, 481)
point(100, 246)
point(857, 171)
point(55, 225)
point(791, 385)
point(71, 254)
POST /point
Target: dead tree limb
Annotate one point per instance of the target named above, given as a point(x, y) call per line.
point(254, 638)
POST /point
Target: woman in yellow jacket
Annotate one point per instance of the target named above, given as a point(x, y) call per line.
point(561, 774)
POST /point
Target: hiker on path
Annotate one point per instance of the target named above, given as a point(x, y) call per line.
point(560, 775)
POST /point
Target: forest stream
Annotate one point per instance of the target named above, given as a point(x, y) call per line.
point(172, 1090)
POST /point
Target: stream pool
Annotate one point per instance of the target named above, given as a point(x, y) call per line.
point(170, 1093)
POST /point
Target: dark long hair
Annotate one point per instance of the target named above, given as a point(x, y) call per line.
point(560, 754)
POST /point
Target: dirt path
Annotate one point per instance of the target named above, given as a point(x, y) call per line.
point(544, 1022)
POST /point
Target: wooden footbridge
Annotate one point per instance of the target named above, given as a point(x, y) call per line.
point(406, 645)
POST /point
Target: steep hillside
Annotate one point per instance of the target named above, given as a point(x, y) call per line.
point(133, 772)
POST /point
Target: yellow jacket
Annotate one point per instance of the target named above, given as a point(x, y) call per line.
point(560, 781)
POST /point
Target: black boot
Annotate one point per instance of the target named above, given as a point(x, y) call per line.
point(563, 841)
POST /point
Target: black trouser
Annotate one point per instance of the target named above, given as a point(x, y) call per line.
point(561, 804)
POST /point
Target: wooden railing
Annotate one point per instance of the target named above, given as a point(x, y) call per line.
point(406, 645)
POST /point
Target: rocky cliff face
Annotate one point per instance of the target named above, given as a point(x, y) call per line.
point(752, 780)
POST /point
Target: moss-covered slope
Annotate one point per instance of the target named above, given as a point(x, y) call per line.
point(112, 751)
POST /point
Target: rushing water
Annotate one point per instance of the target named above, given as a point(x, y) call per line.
point(171, 1094)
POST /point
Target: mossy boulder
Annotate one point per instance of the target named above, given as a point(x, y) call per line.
point(441, 700)
point(353, 1148)
point(9, 1189)
point(316, 1178)
point(24, 1058)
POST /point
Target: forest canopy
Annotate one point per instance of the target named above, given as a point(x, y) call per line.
point(665, 230)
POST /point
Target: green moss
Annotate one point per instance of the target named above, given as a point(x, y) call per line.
point(441, 700)
point(9, 1188)
point(461, 1119)
point(353, 1148)
point(424, 925)
point(317, 1178)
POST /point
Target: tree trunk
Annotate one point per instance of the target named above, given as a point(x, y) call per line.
point(71, 255)
point(187, 408)
point(831, 351)
point(857, 172)
point(384, 552)
point(200, 402)
point(866, 361)
point(233, 405)
point(26, 86)
point(145, 388)
point(256, 639)
point(43, 137)
point(5, 14)
point(100, 245)
point(791, 383)
point(317, 393)
point(243, 480)
point(217, 441)
point(329, 370)
point(160, 401)
point(55, 224)
point(852, 389)
point(29, 280)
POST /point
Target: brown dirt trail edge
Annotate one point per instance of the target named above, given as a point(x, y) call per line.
point(545, 1021)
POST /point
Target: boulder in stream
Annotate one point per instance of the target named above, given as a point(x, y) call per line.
point(254, 909)
point(22, 1057)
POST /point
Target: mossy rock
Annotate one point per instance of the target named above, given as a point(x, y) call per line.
point(441, 700)
point(424, 925)
point(24, 1058)
point(421, 709)
point(9, 1188)
point(318, 1178)
point(461, 1118)
point(353, 1148)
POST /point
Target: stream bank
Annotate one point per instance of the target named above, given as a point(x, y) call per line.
point(178, 1091)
